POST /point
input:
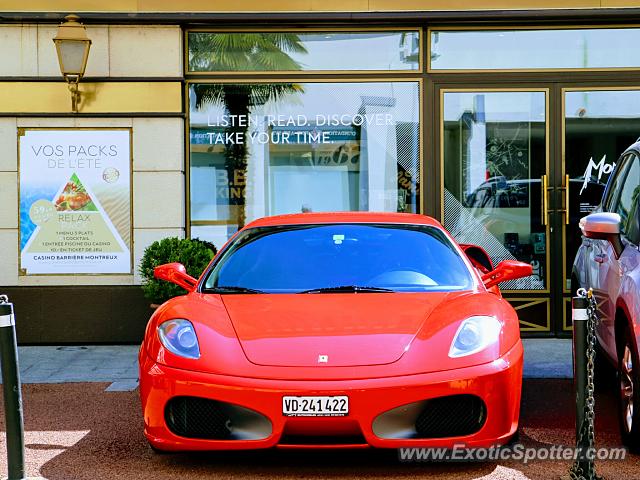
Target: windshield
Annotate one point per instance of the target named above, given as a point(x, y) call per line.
point(339, 257)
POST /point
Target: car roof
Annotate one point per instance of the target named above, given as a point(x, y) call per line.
point(344, 217)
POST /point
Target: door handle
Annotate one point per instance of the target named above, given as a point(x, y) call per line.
point(544, 191)
point(600, 258)
point(566, 199)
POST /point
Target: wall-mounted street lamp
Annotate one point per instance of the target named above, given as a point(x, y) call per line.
point(72, 47)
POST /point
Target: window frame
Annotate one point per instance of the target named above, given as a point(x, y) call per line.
point(450, 28)
point(283, 29)
point(632, 159)
point(408, 77)
point(547, 168)
point(232, 246)
point(635, 216)
point(611, 195)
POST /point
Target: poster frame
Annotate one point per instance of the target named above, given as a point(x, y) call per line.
point(21, 133)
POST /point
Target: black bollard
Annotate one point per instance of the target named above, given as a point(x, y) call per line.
point(580, 316)
point(12, 391)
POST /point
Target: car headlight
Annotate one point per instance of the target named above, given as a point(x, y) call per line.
point(475, 334)
point(179, 337)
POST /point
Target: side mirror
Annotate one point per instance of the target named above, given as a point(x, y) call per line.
point(603, 226)
point(175, 273)
point(506, 270)
point(478, 256)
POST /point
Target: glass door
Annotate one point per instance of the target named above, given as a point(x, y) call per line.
point(494, 153)
point(599, 124)
point(501, 189)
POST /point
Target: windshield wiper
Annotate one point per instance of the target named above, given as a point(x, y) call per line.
point(349, 289)
point(231, 289)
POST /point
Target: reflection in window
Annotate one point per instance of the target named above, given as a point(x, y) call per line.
point(291, 51)
point(297, 258)
point(629, 195)
point(599, 126)
point(535, 49)
point(271, 148)
point(494, 155)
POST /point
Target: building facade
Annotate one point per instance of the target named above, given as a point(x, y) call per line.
point(501, 119)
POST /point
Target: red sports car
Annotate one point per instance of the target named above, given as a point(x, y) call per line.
point(335, 330)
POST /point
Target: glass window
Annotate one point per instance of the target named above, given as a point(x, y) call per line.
point(260, 149)
point(633, 228)
point(535, 49)
point(297, 258)
point(304, 51)
point(599, 126)
point(628, 195)
point(494, 156)
point(616, 185)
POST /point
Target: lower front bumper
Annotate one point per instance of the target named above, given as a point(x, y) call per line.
point(497, 383)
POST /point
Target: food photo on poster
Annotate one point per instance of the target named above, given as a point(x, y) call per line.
point(75, 201)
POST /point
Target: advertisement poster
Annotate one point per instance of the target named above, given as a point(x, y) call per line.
point(75, 201)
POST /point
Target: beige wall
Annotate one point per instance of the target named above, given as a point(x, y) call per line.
point(158, 143)
point(79, 6)
point(116, 51)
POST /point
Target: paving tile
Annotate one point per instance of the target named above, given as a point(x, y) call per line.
point(123, 385)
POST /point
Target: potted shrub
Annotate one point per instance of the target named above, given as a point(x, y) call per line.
point(193, 253)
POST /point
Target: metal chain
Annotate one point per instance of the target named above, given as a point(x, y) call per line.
point(587, 430)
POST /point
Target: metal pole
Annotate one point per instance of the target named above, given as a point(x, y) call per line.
point(12, 391)
point(580, 316)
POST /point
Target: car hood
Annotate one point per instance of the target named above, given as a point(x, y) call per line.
point(339, 330)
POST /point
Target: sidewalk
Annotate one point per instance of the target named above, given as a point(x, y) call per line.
point(118, 365)
point(115, 364)
point(548, 358)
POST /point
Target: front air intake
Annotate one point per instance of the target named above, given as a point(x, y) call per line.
point(203, 418)
point(441, 417)
point(453, 416)
point(194, 417)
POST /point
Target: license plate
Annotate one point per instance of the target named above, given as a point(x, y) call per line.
point(334, 406)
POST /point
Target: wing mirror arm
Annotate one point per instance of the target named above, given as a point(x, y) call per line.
point(506, 270)
point(617, 245)
point(176, 273)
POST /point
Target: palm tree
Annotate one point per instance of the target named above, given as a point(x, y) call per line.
point(237, 52)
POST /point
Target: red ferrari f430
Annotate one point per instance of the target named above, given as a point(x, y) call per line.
point(335, 330)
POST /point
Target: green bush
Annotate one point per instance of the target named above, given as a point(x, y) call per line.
point(194, 254)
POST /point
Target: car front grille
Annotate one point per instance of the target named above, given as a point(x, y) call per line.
point(194, 417)
point(451, 416)
point(208, 419)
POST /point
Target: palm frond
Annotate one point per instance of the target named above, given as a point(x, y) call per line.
point(244, 51)
point(208, 94)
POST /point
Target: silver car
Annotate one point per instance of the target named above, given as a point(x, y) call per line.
point(609, 262)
